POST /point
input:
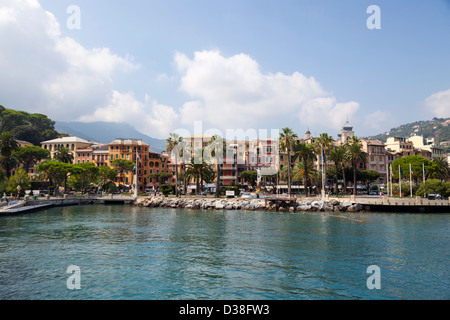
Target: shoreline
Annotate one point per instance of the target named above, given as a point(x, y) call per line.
point(385, 205)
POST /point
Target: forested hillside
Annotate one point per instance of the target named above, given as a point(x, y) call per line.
point(33, 128)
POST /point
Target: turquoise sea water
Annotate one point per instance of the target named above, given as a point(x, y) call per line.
point(126, 252)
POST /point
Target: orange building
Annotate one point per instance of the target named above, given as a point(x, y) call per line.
point(127, 149)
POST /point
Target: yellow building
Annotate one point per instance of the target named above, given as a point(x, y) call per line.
point(71, 143)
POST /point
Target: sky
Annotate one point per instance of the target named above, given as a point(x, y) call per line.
point(165, 65)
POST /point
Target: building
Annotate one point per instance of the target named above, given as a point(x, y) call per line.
point(400, 145)
point(160, 162)
point(427, 145)
point(377, 157)
point(100, 156)
point(84, 156)
point(127, 149)
point(71, 143)
point(346, 133)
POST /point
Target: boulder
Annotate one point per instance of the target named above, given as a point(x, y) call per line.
point(219, 205)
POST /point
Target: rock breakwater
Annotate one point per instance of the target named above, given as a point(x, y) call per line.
point(304, 205)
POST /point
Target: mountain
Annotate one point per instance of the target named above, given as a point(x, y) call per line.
point(438, 128)
point(105, 132)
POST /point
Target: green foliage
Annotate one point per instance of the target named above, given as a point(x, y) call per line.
point(167, 189)
point(369, 176)
point(123, 165)
point(406, 189)
point(250, 175)
point(161, 177)
point(28, 156)
point(55, 171)
point(64, 155)
point(7, 146)
point(33, 128)
point(416, 165)
point(442, 169)
point(107, 175)
point(110, 187)
point(434, 186)
point(19, 180)
point(3, 182)
point(433, 128)
point(83, 176)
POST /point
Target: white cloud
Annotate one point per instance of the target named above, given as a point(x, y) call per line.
point(234, 93)
point(439, 104)
point(43, 71)
point(47, 72)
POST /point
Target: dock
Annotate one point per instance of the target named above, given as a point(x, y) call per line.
point(29, 205)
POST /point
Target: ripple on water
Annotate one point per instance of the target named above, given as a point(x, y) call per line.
point(140, 253)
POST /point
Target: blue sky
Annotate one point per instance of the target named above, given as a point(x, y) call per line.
point(271, 64)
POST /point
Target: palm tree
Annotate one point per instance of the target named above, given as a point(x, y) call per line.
point(355, 155)
point(306, 153)
point(199, 171)
point(339, 156)
point(64, 155)
point(324, 146)
point(216, 139)
point(443, 170)
point(298, 173)
point(287, 143)
point(172, 142)
point(7, 145)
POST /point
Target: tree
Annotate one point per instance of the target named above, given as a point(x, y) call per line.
point(29, 156)
point(298, 174)
point(356, 155)
point(219, 147)
point(123, 165)
point(3, 182)
point(33, 128)
point(161, 177)
point(442, 169)
point(417, 163)
point(339, 156)
point(199, 172)
point(107, 176)
point(56, 171)
point(172, 143)
point(369, 176)
point(83, 175)
point(19, 182)
point(306, 153)
point(324, 145)
point(250, 175)
point(287, 142)
point(64, 155)
point(434, 186)
point(8, 145)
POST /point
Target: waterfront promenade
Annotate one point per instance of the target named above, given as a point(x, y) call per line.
point(269, 202)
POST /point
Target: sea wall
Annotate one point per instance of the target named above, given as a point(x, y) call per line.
point(248, 204)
